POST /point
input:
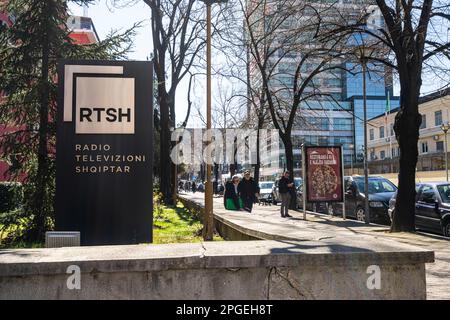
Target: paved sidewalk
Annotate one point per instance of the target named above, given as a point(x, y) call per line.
point(267, 221)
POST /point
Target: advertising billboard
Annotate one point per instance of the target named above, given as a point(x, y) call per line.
point(324, 180)
point(104, 151)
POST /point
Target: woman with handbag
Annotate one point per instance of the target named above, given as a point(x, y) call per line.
point(231, 196)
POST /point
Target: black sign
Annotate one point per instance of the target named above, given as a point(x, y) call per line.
point(104, 151)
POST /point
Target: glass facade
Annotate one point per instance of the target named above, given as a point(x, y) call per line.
point(375, 107)
point(378, 84)
point(336, 117)
point(375, 81)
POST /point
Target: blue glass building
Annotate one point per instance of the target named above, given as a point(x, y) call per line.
point(378, 86)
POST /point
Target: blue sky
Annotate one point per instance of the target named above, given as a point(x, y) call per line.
point(107, 18)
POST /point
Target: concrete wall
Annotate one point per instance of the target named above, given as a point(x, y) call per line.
point(225, 228)
point(216, 270)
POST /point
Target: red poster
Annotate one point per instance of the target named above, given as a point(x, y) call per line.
point(324, 178)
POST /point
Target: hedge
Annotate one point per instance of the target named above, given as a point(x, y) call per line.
point(11, 196)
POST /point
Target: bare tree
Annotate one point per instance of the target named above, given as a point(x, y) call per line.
point(416, 34)
point(227, 113)
point(285, 59)
point(177, 35)
point(237, 68)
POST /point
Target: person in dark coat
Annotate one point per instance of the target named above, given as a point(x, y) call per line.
point(194, 187)
point(231, 192)
point(286, 189)
point(180, 186)
point(248, 191)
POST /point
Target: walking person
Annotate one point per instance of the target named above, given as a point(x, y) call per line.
point(194, 187)
point(286, 188)
point(248, 191)
point(231, 196)
point(180, 186)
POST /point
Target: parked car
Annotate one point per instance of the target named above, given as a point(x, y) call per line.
point(265, 190)
point(275, 193)
point(391, 209)
point(432, 210)
point(380, 190)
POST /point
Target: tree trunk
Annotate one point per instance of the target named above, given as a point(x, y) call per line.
point(202, 172)
point(41, 182)
point(407, 124)
point(232, 169)
point(165, 145)
point(258, 158)
point(216, 177)
point(233, 165)
point(289, 153)
point(174, 172)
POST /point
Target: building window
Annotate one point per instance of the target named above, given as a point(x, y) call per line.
point(440, 146)
point(438, 118)
point(424, 147)
point(381, 132)
point(323, 141)
point(382, 154)
point(319, 123)
point(371, 134)
point(392, 129)
point(342, 124)
point(423, 125)
point(372, 155)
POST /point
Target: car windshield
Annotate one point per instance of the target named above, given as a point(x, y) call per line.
point(376, 185)
point(444, 191)
point(266, 185)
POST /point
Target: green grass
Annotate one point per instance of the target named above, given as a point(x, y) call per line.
point(170, 225)
point(176, 225)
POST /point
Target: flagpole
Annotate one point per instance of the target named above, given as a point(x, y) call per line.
point(388, 111)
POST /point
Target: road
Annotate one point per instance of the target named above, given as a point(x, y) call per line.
point(267, 219)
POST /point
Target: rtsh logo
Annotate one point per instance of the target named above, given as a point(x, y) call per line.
point(103, 105)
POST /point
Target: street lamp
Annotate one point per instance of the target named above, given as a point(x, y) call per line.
point(209, 217)
point(445, 127)
point(363, 54)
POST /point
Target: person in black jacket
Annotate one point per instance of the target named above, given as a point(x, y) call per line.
point(248, 191)
point(285, 188)
point(231, 192)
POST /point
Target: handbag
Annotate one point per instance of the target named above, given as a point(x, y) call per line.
point(229, 204)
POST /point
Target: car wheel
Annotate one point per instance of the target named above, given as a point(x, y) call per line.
point(360, 215)
point(330, 209)
point(273, 199)
point(447, 229)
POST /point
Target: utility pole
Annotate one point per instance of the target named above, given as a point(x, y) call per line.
point(208, 220)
